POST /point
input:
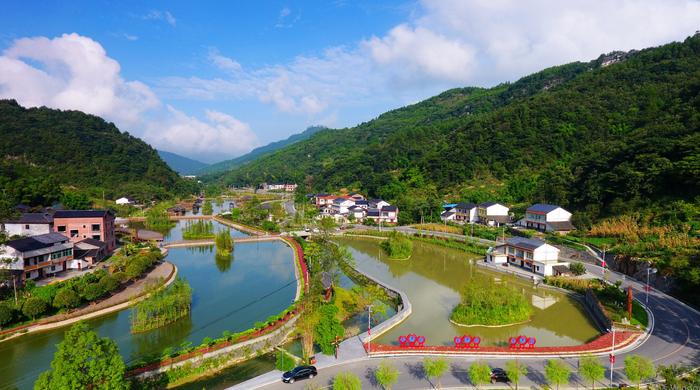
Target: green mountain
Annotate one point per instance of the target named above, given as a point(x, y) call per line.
point(259, 152)
point(45, 152)
point(182, 164)
point(602, 138)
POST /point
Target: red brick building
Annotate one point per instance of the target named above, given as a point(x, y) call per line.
point(81, 224)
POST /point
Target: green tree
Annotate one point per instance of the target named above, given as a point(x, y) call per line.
point(108, 283)
point(346, 381)
point(557, 372)
point(66, 298)
point(76, 201)
point(6, 314)
point(207, 208)
point(479, 373)
point(590, 369)
point(386, 375)
point(283, 361)
point(435, 368)
point(84, 361)
point(34, 307)
point(328, 328)
point(515, 370)
point(638, 368)
point(577, 268)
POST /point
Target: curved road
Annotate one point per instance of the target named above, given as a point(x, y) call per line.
point(675, 339)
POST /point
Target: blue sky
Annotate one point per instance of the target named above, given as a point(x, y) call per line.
point(211, 80)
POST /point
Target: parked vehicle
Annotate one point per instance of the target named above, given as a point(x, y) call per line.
point(499, 375)
point(300, 372)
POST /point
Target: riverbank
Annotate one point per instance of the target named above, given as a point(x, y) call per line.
point(132, 294)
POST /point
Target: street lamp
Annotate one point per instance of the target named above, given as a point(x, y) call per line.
point(649, 272)
point(612, 355)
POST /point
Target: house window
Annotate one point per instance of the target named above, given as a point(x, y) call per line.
point(61, 228)
point(95, 236)
point(53, 268)
point(74, 233)
point(26, 226)
point(28, 275)
point(56, 255)
point(95, 227)
point(83, 226)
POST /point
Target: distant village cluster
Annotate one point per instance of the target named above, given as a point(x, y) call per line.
point(355, 208)
point(284, 187)
point(56, 241)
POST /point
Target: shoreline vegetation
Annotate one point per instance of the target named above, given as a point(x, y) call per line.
point(465, 246)
point(398, 246)
point(162, 307)
point(198, 230)
point(487, 303)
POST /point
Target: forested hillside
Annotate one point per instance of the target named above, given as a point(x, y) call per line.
point(217, 168)
point(599, 140)
point(44, 152)
point(181, 164)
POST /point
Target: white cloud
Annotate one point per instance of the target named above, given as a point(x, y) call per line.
point(222, 62)
point(283, 19)
point(130, 37)
point(165, 16)
point(71, 72)
point(74, 72)
point(218, 135)
point(419, 51)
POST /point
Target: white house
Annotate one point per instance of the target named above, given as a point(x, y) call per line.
point(531, 254)
point(29, 224)
point(123, 201)
point(492, 214)
point(547, 218)
point(357, 212)
point(37, 256)
point(389, 214)
point(459, 212)
point(341, 205)
point(377, 204)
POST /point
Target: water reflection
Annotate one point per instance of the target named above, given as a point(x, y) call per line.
point(433, 279)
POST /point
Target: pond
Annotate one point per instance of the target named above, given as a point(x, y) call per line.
point(258, 282)
point(433, 279)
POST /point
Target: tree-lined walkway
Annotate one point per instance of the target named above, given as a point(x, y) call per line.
point(121, 300)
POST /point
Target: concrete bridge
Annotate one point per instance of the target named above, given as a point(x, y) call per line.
point(174, 218)
point(186, 243)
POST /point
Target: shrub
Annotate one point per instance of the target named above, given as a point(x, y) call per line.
point(284, 362)
point(121, 277)
point(577, 268)
point(34, 307)
point(6, 315)
point(346, 381)
point(328, 328)
point(93, 291)
point(134, 270)
point(108, 283)
point(46, 293)
point(398, 246)
point(66, 298)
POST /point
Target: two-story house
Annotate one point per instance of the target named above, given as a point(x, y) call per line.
point(532, 254)
point(389, 214)
point(37, 256)
point(547, 218)
point(492, 214)
point(78, 225)
point(341, 205)
point(29, 224)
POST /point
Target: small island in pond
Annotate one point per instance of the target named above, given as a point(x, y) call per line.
point(162, 307)
point(398, 246)
point(487, 303)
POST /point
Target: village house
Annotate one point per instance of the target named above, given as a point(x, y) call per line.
point(29, 224)
point(492, 214)
point(78, 225)
point(531, 254)
point(87, 253)
point(459, 212)
point(123, 201)
point(37, 256)
point(355, 207)
point(547, 218)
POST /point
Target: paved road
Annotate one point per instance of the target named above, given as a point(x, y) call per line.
point(674, 339)
point(289, 208)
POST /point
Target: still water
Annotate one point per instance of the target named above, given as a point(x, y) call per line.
point(227, 295)
point(433, 279)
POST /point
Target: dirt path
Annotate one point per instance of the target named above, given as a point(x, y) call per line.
point(116, 302)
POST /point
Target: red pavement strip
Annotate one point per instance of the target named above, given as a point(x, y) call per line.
point(601, 344)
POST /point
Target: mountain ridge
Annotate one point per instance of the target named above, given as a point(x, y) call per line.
point(600, 137)
point(181, 164)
